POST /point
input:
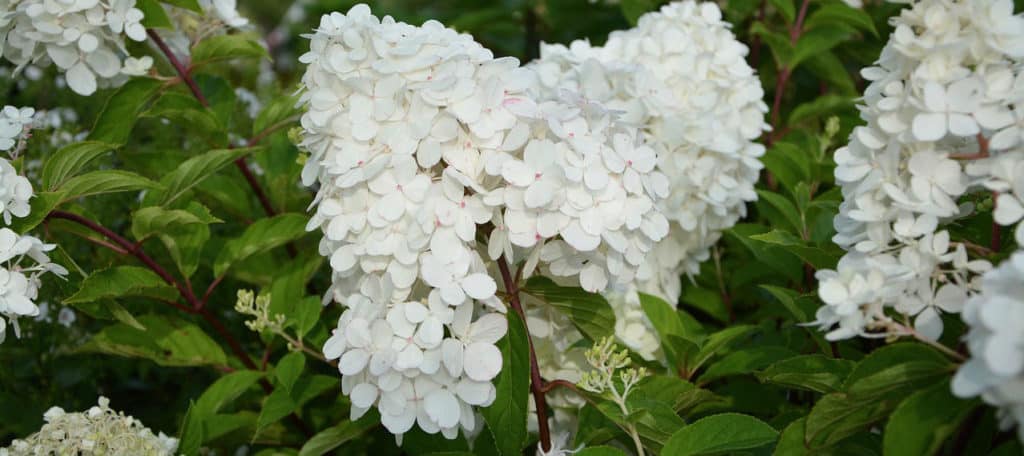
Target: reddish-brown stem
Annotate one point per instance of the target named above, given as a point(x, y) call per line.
point(129, 248)
point(755, 43)
point(181, 69)
point(559, 383)
point(784, 74)
point(194, 304)
point(536, 383)
point(185, 75)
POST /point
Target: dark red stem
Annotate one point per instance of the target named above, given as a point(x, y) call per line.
point(536, 383)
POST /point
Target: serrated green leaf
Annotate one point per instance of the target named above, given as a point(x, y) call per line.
point(589, 312)
point(122, 110)
point(191, 435)
point(40, 207)
point(194, 170)
point(716, 342)
point(788, 163)
point(820, 107)
point(824, 257)
point(828, 67)
point(184, 109)
point(281, 403)
point(840, 15)
point(155, 220)
point(891, 355)
point(836, 416)
point(70, 159)
point(720, 433)
point(506, 417)
point(745, 361)
point(259, 237)
point(277, 112)
point(103, 182)
point(925, 420)
point(289, 369)
point(815, 42)
point(223, 391)
point(783, 206)
point(225, 47)
point(333, 437)
point(167, 341)
point(809, 372)
point(121, 281)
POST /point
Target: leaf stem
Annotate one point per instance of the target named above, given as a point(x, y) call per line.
point(536, 382)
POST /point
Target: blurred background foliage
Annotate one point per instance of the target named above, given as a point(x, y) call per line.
point(762, 281)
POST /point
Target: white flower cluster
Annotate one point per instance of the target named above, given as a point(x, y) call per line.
point(15, 124)
point(995, 317)
point(681, 77)
point(420, 141)
point(97, 431)
point(23, 260)
point(944, 121)
point(84, 38)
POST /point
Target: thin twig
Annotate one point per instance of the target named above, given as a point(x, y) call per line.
point(536, 383)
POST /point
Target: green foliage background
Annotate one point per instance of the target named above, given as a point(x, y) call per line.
point(735, 348)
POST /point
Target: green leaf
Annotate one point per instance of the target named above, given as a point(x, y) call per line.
point(820, 257)
point(70, 159)
point(781, 47)
point(154, 15)
point(707, 300)
point(787, 298)
point(106, 181)
point(192, 5)
point(786, 8)
point(115, 122)
point(288, 294)
point(789, 163)
point(828, 67)
point(889, 356)
point(281, 403)
point(155, 220)
point(279, 111)
point(904, 376)
point(745, 361)
point(820, 107)
point(718, 341)
point(194, 170)
point(720, 433)
point(783, 206)
point(289, 369)
point(223, 391)
point(815, 42)
point(167, 341)
point(191, 435)
point(260, 237)
point(121, 281)
point(836, 416)
point(184, 109)
point(41, 205)
point(925, 420)
point(333, 437)
point(506, 417)
point(225, 47)
point(600, 450)
point(185, 241)
point(840, 15)
point(589, 312)
point(809, 372)
point(670, 328)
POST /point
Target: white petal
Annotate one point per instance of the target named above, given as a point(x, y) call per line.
point(929, 126)
point(479, 286)
point(81, 80)
point(483, 361)
point(443, 408)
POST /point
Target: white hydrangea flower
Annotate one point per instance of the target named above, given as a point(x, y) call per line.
point(226, 11)
point(97, 431)
point(940, 125)
point(682, 78)
point(418, 138)
point(23, 261)
point(995, 317)
point(15, 124)
point(15, 192)
point(85, 39)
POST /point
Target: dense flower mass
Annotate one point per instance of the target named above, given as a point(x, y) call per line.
point(682, 78)
point(85, 39)
point(97, 431)
point(943, 122)
point(995, 317)
point(420, 142)
point(23, 261)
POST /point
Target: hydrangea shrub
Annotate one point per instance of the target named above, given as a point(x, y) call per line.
point(626, 227)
